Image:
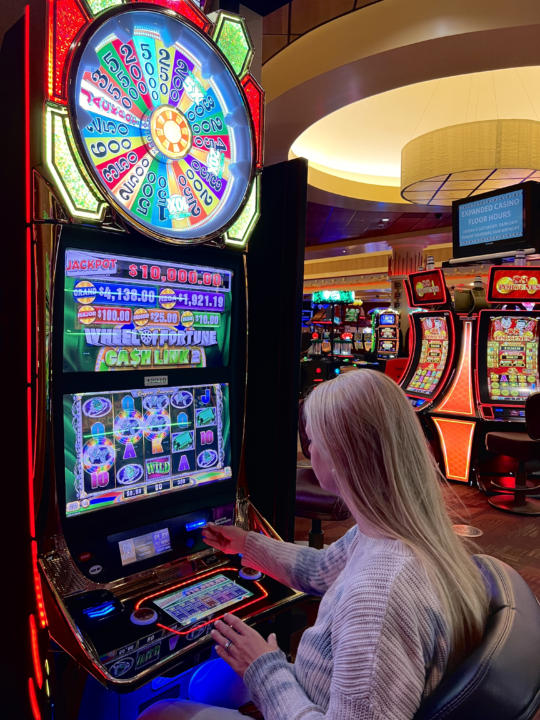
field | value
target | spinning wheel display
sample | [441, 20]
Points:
[162, 124]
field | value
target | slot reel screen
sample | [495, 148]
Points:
[133, 445]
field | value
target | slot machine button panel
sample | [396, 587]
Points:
[144, 616]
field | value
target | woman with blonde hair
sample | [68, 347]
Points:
[402, 600]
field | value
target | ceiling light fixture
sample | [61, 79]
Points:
[467, 159]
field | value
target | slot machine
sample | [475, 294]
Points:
[144, 152]
[386, 334]
[497, 370]
[366, 342]
[433, 339]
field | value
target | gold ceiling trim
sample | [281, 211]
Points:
[467, 159]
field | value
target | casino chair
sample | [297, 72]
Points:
[500, 679]
[525, 448]
[311, 500]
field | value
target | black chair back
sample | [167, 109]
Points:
[304, 440]
[500, 680]
[532, 415]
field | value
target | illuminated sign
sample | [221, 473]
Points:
[428, 288]
[514, 284]
[344, 296]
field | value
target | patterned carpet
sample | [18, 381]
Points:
[515, 539]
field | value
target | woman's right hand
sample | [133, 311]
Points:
[227, 538]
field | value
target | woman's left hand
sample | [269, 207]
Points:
[238, 644]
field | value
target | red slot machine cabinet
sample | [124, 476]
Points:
[497, 370]
[433, 339]
[507, 353]
[142, 175]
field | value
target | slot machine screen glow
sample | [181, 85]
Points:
[433, 355]
[131, 445]
[131, 313]
[512, 357]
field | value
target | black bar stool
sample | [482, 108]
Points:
[524, 447]
[311, 500]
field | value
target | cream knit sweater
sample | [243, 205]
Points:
[378, 646]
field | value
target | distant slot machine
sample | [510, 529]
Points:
[144, 154]
[496, 372]
[507, 345]
[386, 334]
[433, 343]
[497, 365]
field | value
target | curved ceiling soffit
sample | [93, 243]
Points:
[289, 114]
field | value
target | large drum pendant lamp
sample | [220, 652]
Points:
[467, 159]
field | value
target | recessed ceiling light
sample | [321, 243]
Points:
[385, 219]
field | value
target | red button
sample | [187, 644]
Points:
[85, 557]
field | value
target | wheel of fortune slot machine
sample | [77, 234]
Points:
[143, 136]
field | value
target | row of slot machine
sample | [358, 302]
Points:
[472, 370]
[343, 331]
[340, 338]
[143, 136]
[337, 336]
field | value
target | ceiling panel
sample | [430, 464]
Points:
[327, 224]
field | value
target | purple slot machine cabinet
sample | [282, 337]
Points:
[144, 151]
[433, 339]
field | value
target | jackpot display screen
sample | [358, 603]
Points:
[387, 319]
[130, 445]
[433, 356]
[129, 313]
[512, 357]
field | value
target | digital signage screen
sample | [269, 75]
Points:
[433, 356]
[512, 357]
[491, 219]
[132, 313]
[503, 221]
[132, 445]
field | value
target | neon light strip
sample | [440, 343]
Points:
[37, 587]
[264, 595]
[439, 422]
[50, 42]
[35, 651]
[33, 700]
[463, 375]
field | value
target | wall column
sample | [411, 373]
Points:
[407, 257]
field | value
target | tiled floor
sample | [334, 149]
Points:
[512, 538]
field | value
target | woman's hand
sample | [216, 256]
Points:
[227, 538]
[238, 644]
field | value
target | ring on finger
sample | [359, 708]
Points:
[228, 645]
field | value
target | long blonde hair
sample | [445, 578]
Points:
[384, 471]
